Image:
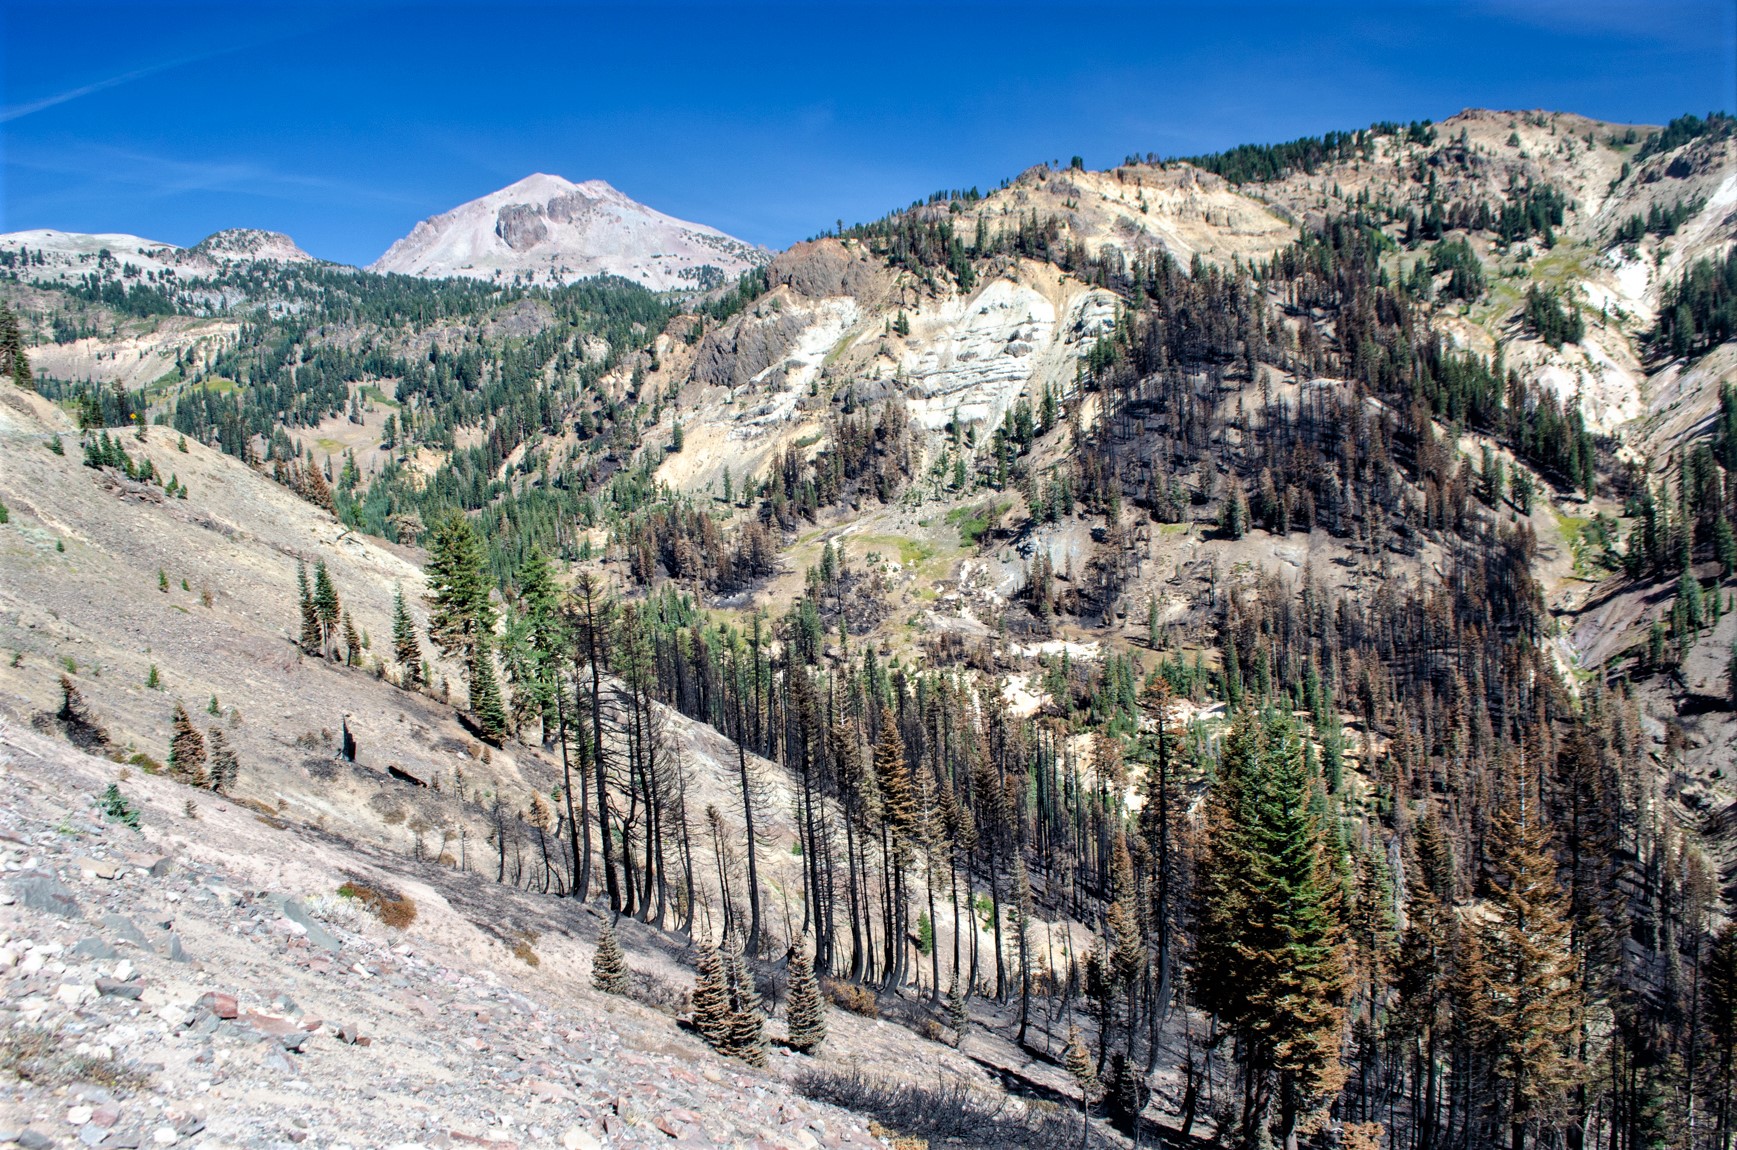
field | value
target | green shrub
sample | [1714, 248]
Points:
[116, 809]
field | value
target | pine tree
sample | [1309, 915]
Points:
[326, 605]
[711, 997]
[485, 694]
[1078, 1060]
[1721, 1019]
[609, 967]
[746, 1039]
[1233, 512]
[225, 767]
[186, 750]
[13, 361]
[1269, 954]
[958, 1013]
[539, 642]
[1531, 992]
[75, 718]
[406, 648]
[898, 801]
[315, 489]
[458, 589]
[310, 639]
[1731, 675]
[352, 642]
[805, 1014]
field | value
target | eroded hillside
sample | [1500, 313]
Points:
[973, 599]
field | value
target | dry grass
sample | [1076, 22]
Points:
[522, 949]
[396, 911]
[40, 1057]
[856, 999]
[949, 1112]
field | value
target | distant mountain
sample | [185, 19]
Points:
[551, 231]
[72, 255]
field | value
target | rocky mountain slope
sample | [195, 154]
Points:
[161, 987]
[472, 1006]
[547, 230]
[1423, 435]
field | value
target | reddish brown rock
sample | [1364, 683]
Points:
[218, 1003]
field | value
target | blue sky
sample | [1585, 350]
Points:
[344, 125]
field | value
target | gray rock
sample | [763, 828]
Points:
[123, 930]
[176, 952]
[34, 1140]
[91, 1134]
[93, 948]
[46, 893]
[297, 913]
[117, 989]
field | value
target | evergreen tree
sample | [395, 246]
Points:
[485, 693]
[13, 361]
[310, 637]
[893, 774]
[1721, 1021]
[225, 767]
[1731, 675]
[1233, 513]
[958, 1012]
[326, 605]
[458, 589]
[76, 720]
[609, 967]
[406, 648]
[352, 642]
[746, 1039]
[538, 639]
[186, 750]
[711, 996]
[1531, 992]
[805, 1014]
[1078, 1060]
[1269, 954]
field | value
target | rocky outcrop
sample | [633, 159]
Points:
[822, 268]
[736, 353]
[521, 226]
[240, 244]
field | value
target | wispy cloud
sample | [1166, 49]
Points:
[154, 176]
[31, 107]
[260, 38]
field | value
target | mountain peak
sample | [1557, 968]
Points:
[548, 229]
[250, 244]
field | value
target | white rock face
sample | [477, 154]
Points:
[827, 323]
[553, 231]
[974, 356]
